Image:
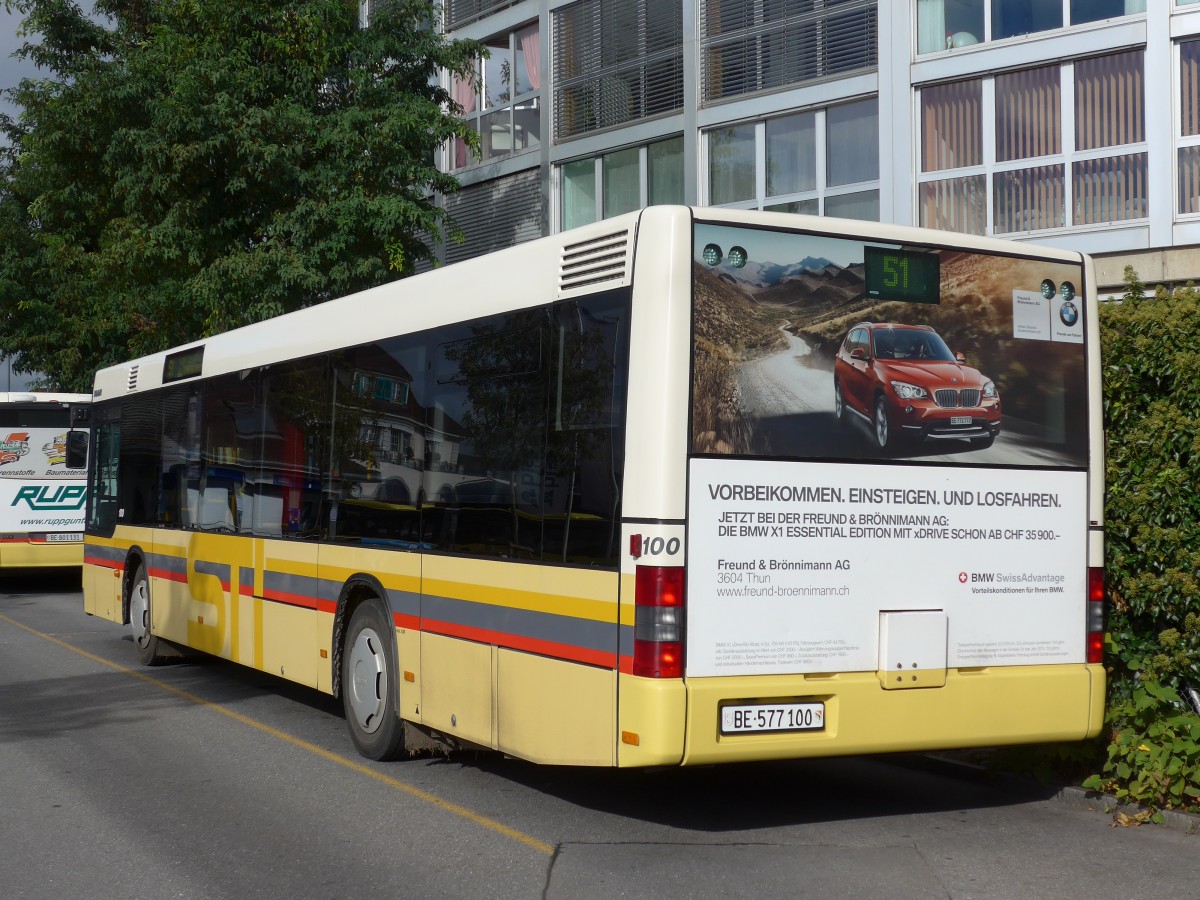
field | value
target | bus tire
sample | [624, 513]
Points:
[149, 649]
[370, 684]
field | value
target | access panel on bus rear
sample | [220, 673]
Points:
[889, 467]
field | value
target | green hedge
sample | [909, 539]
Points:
[1151, 362]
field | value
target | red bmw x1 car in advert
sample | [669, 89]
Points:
[909, 386]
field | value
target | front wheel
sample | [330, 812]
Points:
[151, 650]
[883, 431]
[839, 403]
[369, 683]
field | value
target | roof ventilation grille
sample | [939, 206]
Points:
[133, 377]
[594, 261]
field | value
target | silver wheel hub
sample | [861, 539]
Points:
[367, 684]
[139, 614]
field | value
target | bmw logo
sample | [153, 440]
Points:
[1069, 313]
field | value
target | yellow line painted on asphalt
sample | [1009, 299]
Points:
[416, 792]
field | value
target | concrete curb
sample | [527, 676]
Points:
[1075, 797]
[1093, 801]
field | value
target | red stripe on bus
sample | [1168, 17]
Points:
[168, 575]
[516, 642]
[104, 563]
[301, 600]
[413, 623]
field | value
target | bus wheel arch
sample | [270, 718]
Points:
[366, 671]
[151, 650]
[357, 590]
[134, 559]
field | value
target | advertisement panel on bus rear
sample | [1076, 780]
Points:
[38, 505]
[791, 566]
[815, 347]
[35, 453]
[881, 430]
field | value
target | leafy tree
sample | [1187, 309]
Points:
[1150, 348]
[189, 166]
[1151, 354]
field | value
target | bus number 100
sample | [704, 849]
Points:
[644, 545]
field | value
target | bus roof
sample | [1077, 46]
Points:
[573, 263]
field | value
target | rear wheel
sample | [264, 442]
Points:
[150, 649]
[369, 683]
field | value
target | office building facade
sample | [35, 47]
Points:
[1072, 123]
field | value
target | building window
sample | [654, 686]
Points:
[503, 103]
[1189, 128]
[749, 46]
[380, 387]
[615, 61]
[817, 162]
[1053, 165]
[731, 168]
[621, 181]
[950, 24]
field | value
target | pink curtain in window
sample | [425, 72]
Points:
[1110, 100]
[531, 52]
[1189, 86]
[1028, 114]
[952, 125]
[465, 97]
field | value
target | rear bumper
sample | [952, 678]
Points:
[976, 708]
[24, 554]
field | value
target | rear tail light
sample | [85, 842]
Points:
[658, 622]
[1095, 616]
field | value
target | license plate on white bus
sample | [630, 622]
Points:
[57, 537]
[960, 420]
[760, 717]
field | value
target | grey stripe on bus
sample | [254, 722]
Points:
[404, 603]
[223, 571]
[108, 554]
[587, 634]
[627, 640]
[301, 585]
[164, 563]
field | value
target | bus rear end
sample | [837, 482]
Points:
[41, 496]
[892, 530]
